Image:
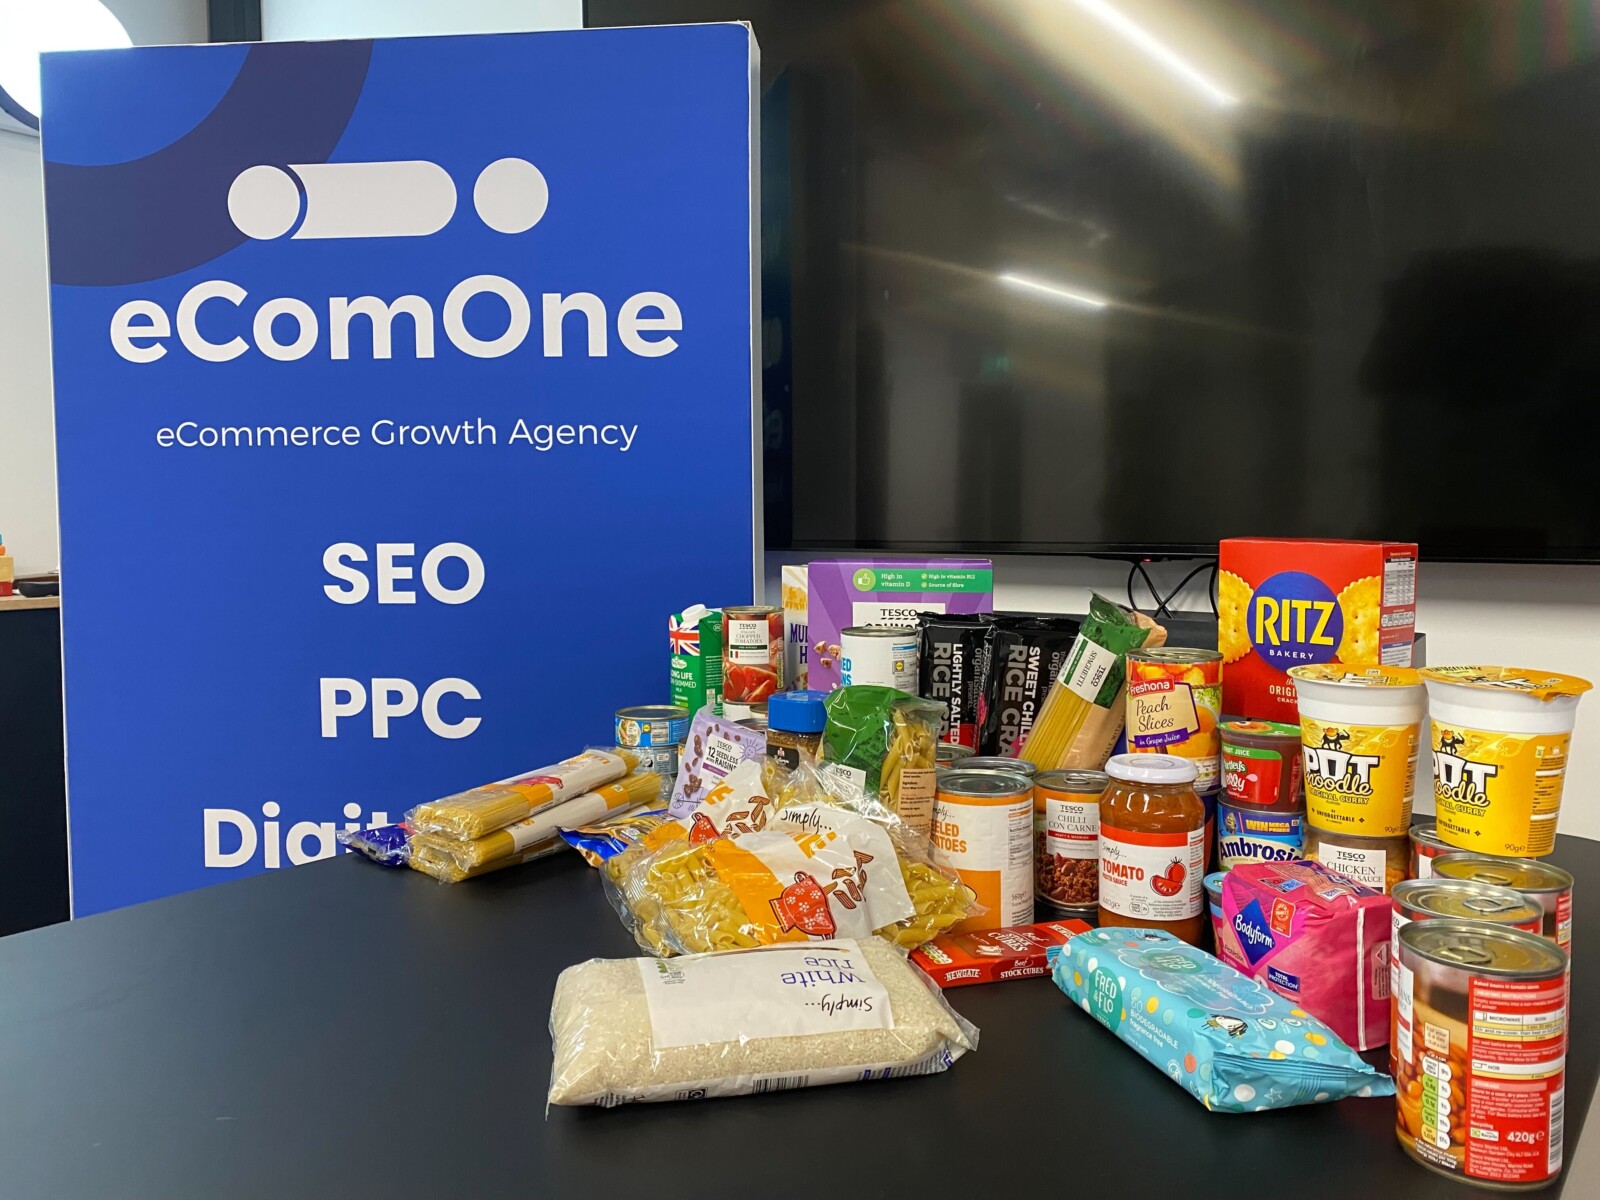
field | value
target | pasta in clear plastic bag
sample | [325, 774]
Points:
[634, 1030]
[745, 870]
[876, 735]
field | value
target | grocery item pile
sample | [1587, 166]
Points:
[974, 788]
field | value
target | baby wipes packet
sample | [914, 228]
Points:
[1226, 1039]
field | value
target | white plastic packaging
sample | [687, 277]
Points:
[636, 1030]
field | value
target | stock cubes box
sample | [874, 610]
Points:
[386, 350]
[1289, 602]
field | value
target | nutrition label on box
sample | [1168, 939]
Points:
[1399, 582]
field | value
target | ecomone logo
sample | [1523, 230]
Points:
[218, 320]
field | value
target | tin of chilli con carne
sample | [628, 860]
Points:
[1481, 1031]
[1066, 838]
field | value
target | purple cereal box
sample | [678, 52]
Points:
[885, 591]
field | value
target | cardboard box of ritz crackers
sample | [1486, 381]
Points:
[1289, 602]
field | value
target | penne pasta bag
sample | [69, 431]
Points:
[884, 743]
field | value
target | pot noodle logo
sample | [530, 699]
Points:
[1332, 768]
[1456, 777]
[400, 199]
[1294, 619]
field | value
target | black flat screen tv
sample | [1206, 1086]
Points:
[1114, 276]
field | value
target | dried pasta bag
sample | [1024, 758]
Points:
[482, 810]
[875, 735]
[632, 1030]
[431, 859]
[1102, 727]
[1223, 1037]
[626, 794]
[389, 845]
[1089, 682]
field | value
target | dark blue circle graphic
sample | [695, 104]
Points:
[1294, 619]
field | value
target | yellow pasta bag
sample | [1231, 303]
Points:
[482, 810]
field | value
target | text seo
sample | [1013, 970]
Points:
[392, 574]
[394, 699]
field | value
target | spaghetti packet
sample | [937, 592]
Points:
[481, 810]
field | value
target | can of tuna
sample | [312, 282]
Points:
[1450, 899]
[1426, 845]
[983, 831]
[879, 654]
[652, 725]
[950, 753]
[1547, 886]
[1247, 835]
[1481, 1014]
[653, 732]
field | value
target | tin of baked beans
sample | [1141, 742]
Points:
[1451, 899]
[884, 655]
[983, 831]
[1547, 886]
[1174, 707]
[1261, 766]
[951, 753]
[1066, 838]
[1480, 1013]
[994, 762]
[1427, 845]
[1378, 863]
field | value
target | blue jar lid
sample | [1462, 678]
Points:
[797, 712]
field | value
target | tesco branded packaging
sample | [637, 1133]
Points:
[846, 592]
[1315, 937]
[1292, 602]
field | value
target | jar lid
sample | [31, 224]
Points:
[1160, 769]
[797, 712]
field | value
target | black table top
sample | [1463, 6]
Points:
[344, 1030]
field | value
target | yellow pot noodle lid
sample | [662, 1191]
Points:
[1540, 685]
[1354, 676]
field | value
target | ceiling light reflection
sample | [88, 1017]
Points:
[1070, 295]
[1159, 51]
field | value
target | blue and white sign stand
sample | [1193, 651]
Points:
[403, 389]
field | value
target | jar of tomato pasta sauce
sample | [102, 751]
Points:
[1153, 846]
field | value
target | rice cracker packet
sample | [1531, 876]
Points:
[1290, 602]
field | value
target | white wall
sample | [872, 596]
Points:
[1546, 618]
[27, 424]
[295, 20]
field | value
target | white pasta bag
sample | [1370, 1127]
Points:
[631, 1030]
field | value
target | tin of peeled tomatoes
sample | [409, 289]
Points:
[983, 831]
[1480, 1015]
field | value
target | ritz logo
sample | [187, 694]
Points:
[402, 199]
[1294, 619]
[1331, 767]
[1456, 777]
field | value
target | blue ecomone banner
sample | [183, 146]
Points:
[403, 389]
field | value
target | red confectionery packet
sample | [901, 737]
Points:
[991, 955]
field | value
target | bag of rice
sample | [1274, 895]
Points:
[631, 1030]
